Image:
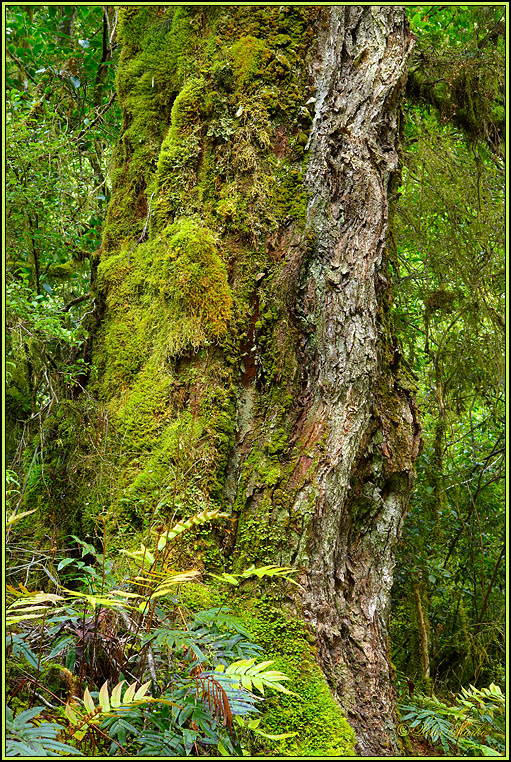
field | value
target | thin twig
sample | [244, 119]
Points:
[144, 230]
[103, 111]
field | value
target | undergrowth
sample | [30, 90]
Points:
[111, 660]
[473, 725]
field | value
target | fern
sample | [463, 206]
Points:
[105, 636]
[144, 555]
[216, 696]
[435, 727]
[34, 605]
[241, 702]
[222, 618]
[262, 571]
[253, 726]
[17, 516]
[252, 675]
[20, 648]
[107, 703]
[213, 637]
[465, 725]
[200, 518]
[30, 606]
[27, 738]
[481, 703]
[167, 582]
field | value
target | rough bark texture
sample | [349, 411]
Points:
[355, 433]
[364, 481]
[244, 355]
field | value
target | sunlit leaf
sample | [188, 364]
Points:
[103, 698]
[88, 701]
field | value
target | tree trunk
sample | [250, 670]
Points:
[352, 391]
[245, 305]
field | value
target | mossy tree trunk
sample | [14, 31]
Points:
[244, 352]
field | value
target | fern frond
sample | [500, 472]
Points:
[181, 526]
[101, 601]
[253, 676]
[253, 725]
[272, 570]
[144, 555]
[27, 607]
[218, 702]
[262, 571]
[26, 739]
[171, 580]
[17, 516]
[107, 703]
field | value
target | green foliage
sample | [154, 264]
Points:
[27, 735]
[59, 122]
[449, 288]
[116, 702]
[202, 670]
[263, 571]
[252, 675]
[28, 605]
[472, 726]
[458, 67]
[207, 198]
[41, 335]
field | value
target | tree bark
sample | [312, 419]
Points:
[351, 391]
[319, 427]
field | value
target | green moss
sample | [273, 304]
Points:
[193, 279]
[62, 271]
[290, 196]
[168, 296]
[153, 64]
[188, 108]
[208, 167]
[197, 597]
[320, 727]
[143, 411]
[247, 55]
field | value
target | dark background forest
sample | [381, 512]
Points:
[447, 620]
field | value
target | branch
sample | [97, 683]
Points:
[490, 587]
[19, 63]
[76, 300]
[99, 116]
